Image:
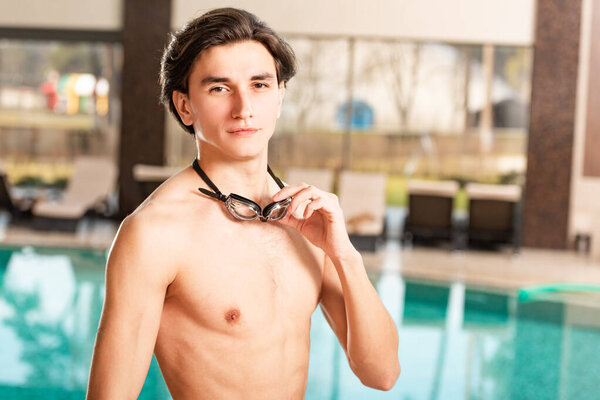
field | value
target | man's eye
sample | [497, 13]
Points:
[218, 89]
[260, 85]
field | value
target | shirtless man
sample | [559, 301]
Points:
[225, 303]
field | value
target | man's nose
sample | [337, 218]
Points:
[242, 107]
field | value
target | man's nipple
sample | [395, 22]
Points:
[232, 316]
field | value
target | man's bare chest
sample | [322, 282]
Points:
[249, 280]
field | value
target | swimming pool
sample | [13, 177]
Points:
[456, 342]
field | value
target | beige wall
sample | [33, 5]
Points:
[585, 191]
[492, 21]
[62, 14]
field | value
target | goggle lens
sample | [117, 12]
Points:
[241, 210]
[277, 211]
[277, 214]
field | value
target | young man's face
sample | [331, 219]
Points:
[233, 99]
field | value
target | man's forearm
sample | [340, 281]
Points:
[372, 336]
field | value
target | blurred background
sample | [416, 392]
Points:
[461, 136]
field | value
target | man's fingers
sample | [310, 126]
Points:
[290, 220]
[306, 199]
[312, 207]
[303, 197]
[290, 191]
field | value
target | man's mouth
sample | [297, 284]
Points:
[243, 131]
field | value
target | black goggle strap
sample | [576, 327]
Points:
[277, 180]
[217, 193]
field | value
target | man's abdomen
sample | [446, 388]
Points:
[268, 362]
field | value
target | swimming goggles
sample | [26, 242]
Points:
[242, 208]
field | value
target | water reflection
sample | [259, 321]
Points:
[489, 335]
[538, 344]
[37, 294]
[423, 338]
[50, 304]
[465, 343]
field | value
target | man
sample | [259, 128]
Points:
[225, 300]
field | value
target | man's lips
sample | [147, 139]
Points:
[243, 131]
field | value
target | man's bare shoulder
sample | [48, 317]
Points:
[173, 203]
[139, 248]
[161, 225]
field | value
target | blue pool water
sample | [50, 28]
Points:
[456, 342]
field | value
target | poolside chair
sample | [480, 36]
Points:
[6, 201]
[363, 199]
[151, 177]
[493, 214]
[586, 231]
[429, 216]
[19, 209]
[91, 184]
[320, 178]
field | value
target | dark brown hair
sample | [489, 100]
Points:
[215, 28]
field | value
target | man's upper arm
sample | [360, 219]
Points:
[137, 277]
[332, 302]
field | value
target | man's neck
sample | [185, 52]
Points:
[248, 178]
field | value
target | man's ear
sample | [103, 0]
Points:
[182, 104]
[281, 96]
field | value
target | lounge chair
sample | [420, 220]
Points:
[19, 209]
[151, 177]
[363, 199]
[493, 214]
[586, 230]
[320, 178]
[6, 201]
[430, 205]
[91, 184]
[595, 238]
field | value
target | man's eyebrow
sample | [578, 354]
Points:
[213, 79]
[262, 76]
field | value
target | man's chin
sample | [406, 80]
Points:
[243, 150]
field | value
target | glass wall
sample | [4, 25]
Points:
[312, 123]
[58, 100]
[417, 109]
[410, 109]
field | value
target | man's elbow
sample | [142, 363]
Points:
[380, 378]
[387, 380]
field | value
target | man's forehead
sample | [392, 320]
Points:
[247, 57]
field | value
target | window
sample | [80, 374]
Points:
[58, 100]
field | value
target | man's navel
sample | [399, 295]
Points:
[232, 316]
